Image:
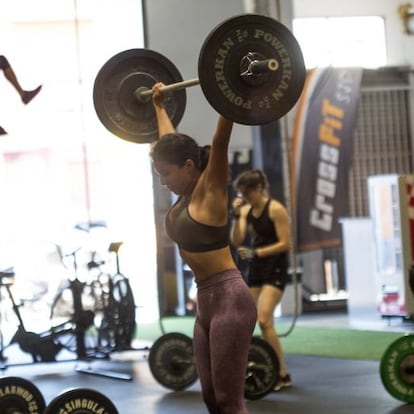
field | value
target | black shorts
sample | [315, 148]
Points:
[4, 63]
[268, 271]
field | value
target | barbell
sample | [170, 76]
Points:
[20, 396]
[250, 69]
[253, 67]
[172, 364]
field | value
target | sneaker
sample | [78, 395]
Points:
[2, 131]
[29, 95]
[284, 382]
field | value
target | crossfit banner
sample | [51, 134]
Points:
[322, 150]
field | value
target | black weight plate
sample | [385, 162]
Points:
[267, 97]
[81, 401]
[262, 369]
[18, 395]
[397, 369]
[171, 361]
[116, 104]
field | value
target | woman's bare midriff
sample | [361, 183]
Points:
[205, 264]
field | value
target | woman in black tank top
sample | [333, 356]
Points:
[198, 223]
[265, 221]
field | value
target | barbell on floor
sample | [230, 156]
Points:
[250, 69]
[20, 396]
[171, 362]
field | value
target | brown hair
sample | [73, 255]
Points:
[251, 179]
[176, 148]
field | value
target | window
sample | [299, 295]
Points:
[58, 164]
[342, 41]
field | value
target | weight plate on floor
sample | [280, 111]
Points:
[397, 369]
[171, 361]
[81, 401]
[262, 369]
[114, 94]
[18, 395]
[267, 97]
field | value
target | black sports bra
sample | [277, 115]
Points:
[193, 236]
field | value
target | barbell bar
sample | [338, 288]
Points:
[255, 67]
[250, 69]
[143, 93]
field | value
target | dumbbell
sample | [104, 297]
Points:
[20, 396]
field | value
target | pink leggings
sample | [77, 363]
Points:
[226, 316]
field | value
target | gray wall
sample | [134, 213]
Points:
[177, 29]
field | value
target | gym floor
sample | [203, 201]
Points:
[321, 385]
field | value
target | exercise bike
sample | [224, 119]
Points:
[45, 346]
[115, 331]
[118, 324]
[109, 296]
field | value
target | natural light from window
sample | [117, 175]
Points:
[342, 41]
[58, 164]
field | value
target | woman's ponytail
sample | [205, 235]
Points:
[204, 154]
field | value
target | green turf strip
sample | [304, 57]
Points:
[338, 343]
[305, 340]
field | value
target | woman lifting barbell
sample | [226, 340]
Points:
[197, 222]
